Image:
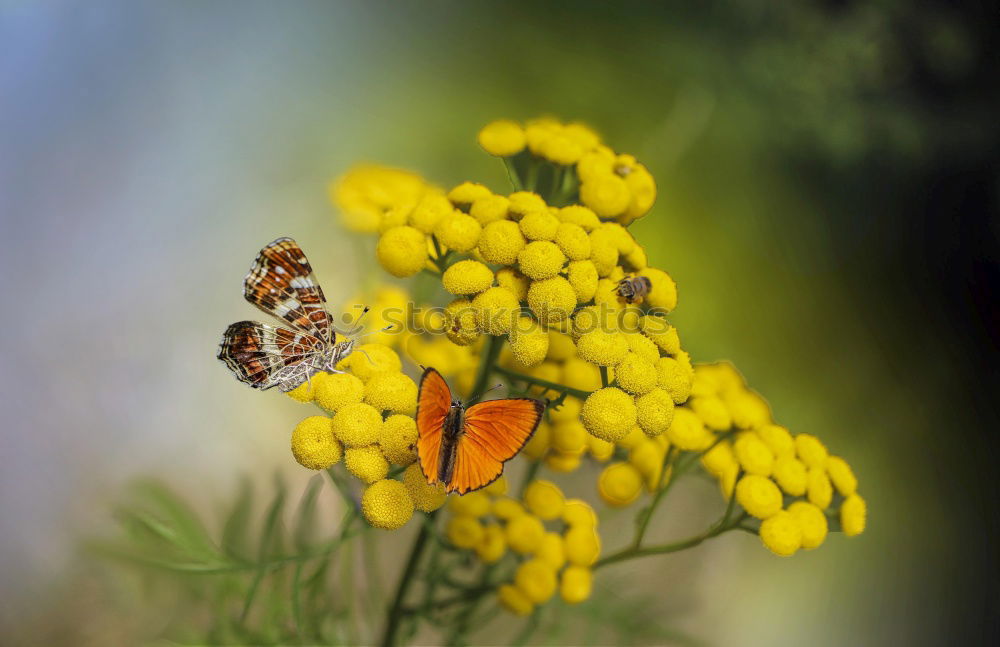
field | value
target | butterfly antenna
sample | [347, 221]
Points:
[357, 323]
[492, 388]
[370, 333]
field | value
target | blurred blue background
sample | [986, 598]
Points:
[827, 204]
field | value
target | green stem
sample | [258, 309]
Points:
[647, 515]
[529, 476]
[642, 551]
[551, 386]
[487, 367]
[512, 176]
[396, 610]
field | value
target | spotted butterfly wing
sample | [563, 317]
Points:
[266, 356]
[281, 283]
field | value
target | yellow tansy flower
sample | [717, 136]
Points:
[853, 512]
[501, 242]
[492, 547]
[811, 451]
[661, 333]
[577, 512]
[313, 444]
[386, 504]
[619, 484]
[514, 600]
[357, 424]
[759, 496]
[573, 240]
[609, 413]
[467, 277]
[464, 531]
[392, 391]
[812, 521]
[466, 193]
[540, 225]
[841, 475]
[426, 498]
[778, 439]
[581, 216]
[819, 490]
[791, 474]
[507, 508]
[536, 579]
[524, 533]
[524, 202]
[489, 209]
[583, 546]
[552, 300]
[721, 458]
[529, 342]
[753, 454]
[366, 463]
[578, 374]
[369, 359]
[562, 462]
[540, 259]
[398, 439]
[688, 432]
[606, 194]
[561, 346]
[402, 251]
[569, 436]
[655, 412]
[781, 533]
[458, 231]
[544, 499]
[511, 279]
[663, 289]
[502, 138]
[713, 412]
[431, 209]
[473, 504]
[334, 390]
[576, 584]
[551, 550]
[496, 310]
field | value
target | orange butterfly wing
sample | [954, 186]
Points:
[494, 432]
[432, 407]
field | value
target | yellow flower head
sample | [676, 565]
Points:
[569, 436]
[812, 521]
[426, 498]
[501, 242]
[655, 412]
[562, 462]
[606, 194]
[583, 546]
[538, 445]
[578, 374]
[819, 490]
[366, 463]
[529, 342]
[514, 600]
[791, 474]
[357, 424]
[524, 202]
[544, 499]
[551, 550]
[511, 279]
[580, 216]
[464, 531]
[507, 508]
[391, 391]
[334, 390]
[754, 455]
[602, 347]
[386, 504]
[540, 259]
[778, 439]
[458, 231]
[473, 504]
[461, 326]
[663, 292]
[502, 138]
[498, 487]
[609, 414]
[748, 409]
[577, 512]
[643, 189]
[759, 496]
[466, 193]
[853, 512]
[539, 225]
[841, 475]
[467, 277]
[603, 251]
[811, 451]
[496, 310]
[552, 300]
[489, 209]
[619, 484]
[431, 209]
[369, 359]
[493, 545]
[306, 391]
[398, 439]
[402, 251]
[712, 411]
[643, 347]
[576, 584]
[661, 333]
[637, 375]
[313, 444]
[524, 533]
[781, 533]
[366, 190]
[720, 459]
[647, 457]
[536, 579]
[688, 432]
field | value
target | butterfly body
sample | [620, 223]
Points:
[465, 448]
[281, 283]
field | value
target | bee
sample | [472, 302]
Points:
[633, 289]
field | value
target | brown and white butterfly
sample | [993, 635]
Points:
[281, 283]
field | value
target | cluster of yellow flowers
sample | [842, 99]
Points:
[370, 425]
[615, 186]
[490, 522]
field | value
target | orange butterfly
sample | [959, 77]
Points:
[466, 449]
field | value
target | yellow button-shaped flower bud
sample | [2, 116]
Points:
[391, 391]
[573, 240]
[688, 432]
[386, 504]
[603, 251]
[581, 216]
[583, 546]
[524, 202]
[619, 484]
[759, 496]
[426, 497]
[562, 462]
[489, 209]
[511, 279]
[472, 504]
[602, 347]
[791, 474]
[600, 450]
[544, 499]
[496, 310]
[552, 300]
[748, 409]
[466, 193]
[512, 599]
[334, 390]
[357, 424]
[507, 508]
[569, 436]
[582, 275]
[841, 475]
[524, 533]
[853, 513]
[647, 457]
[778, 439]
[644, 347]
[781, 533]
[575, 584]
[460, 322]
[313, 444]
[712, 411]
[464, 531]
[663, 290]
[458, 231]
[502, 138]
[431, 209]
[655, 412]
[578, 512]
[492, 547]
[501, 242]
[402, 251]
[538, 445]
[398, 439]
[674, 378]
[561, 346]
[637, 375]
[812, 521]
[366, 463]
[552, 551]
[661, 333]
[754, 455]
[306, 391]
[606, 194]
[536, 579]
[539, 225]
[623, 240]
[540, 259]
[579, 374]
[467, 277]
[498, 487]
[819, 490]
[811, 451]
[642, 187]
[609, 414]
[369, 359]
[720, 459]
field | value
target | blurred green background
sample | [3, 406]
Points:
[828, 200]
